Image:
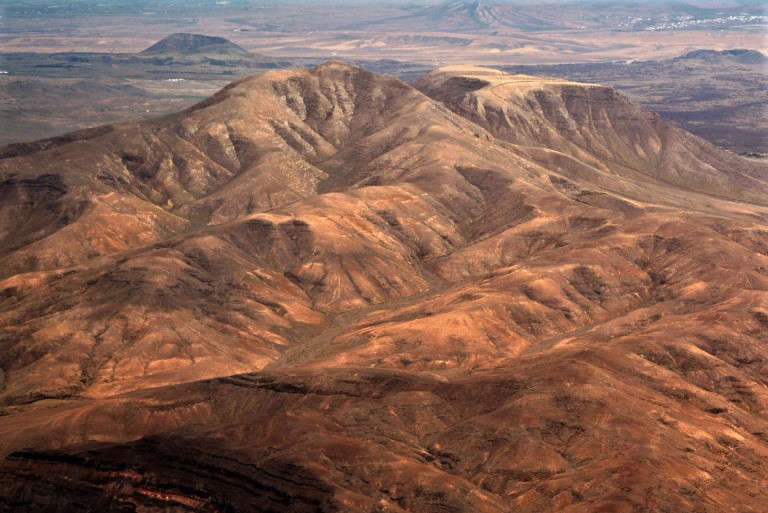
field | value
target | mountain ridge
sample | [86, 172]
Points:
[740, 55]
[341, 292]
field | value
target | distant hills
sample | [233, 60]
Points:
[191, 44]
[34, 83]
[740, 55]
[186, 48]
[484, 16]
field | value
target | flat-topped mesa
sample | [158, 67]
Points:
[443, 78]
[189, 44]
[594, 124]
[740, 55]
[534, 111]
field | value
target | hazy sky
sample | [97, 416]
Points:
[63, 3]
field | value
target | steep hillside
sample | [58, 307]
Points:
[326, 290]
[597, 126]
[720, 96]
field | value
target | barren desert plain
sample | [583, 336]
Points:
[405, 257]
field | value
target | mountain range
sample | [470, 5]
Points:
[328, 290]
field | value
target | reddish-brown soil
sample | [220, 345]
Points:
[326, 290]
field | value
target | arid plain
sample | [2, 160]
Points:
[485, 32]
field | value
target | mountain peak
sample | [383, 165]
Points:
[336, 66]
[186, 44]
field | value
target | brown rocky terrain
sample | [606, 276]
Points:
[327, 290]
[720, 96]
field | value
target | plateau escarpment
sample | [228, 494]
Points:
[595, 125]
[328, 290]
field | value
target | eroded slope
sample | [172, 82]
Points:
[336, 293]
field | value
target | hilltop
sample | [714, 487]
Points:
[190, 44]
[739, 55]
